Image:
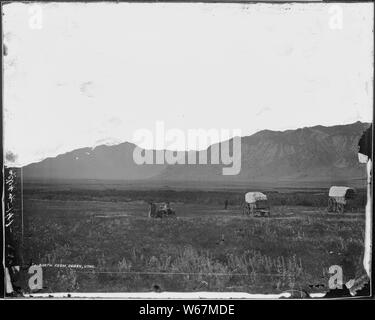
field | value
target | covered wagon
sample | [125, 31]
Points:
[338, 198]
[256, 204]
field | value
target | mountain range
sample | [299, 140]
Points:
[316, 153]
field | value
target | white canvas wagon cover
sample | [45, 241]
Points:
[335, 191]
[252, 197]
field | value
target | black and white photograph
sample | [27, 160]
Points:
[187, 150]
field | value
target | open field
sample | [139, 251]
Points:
[206, 248]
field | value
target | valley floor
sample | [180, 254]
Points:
[205, 248]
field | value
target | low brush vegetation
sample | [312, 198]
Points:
[206, 248]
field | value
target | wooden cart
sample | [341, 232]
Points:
[161, 210]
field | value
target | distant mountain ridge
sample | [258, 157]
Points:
[312, 153]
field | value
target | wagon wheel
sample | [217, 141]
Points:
[335, 206]
[245, 209]
[171, 213]
[252, 211]
[340, 208]
[331, 204]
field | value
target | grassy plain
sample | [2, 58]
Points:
[206, 248]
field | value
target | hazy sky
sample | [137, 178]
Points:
[78, 75]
